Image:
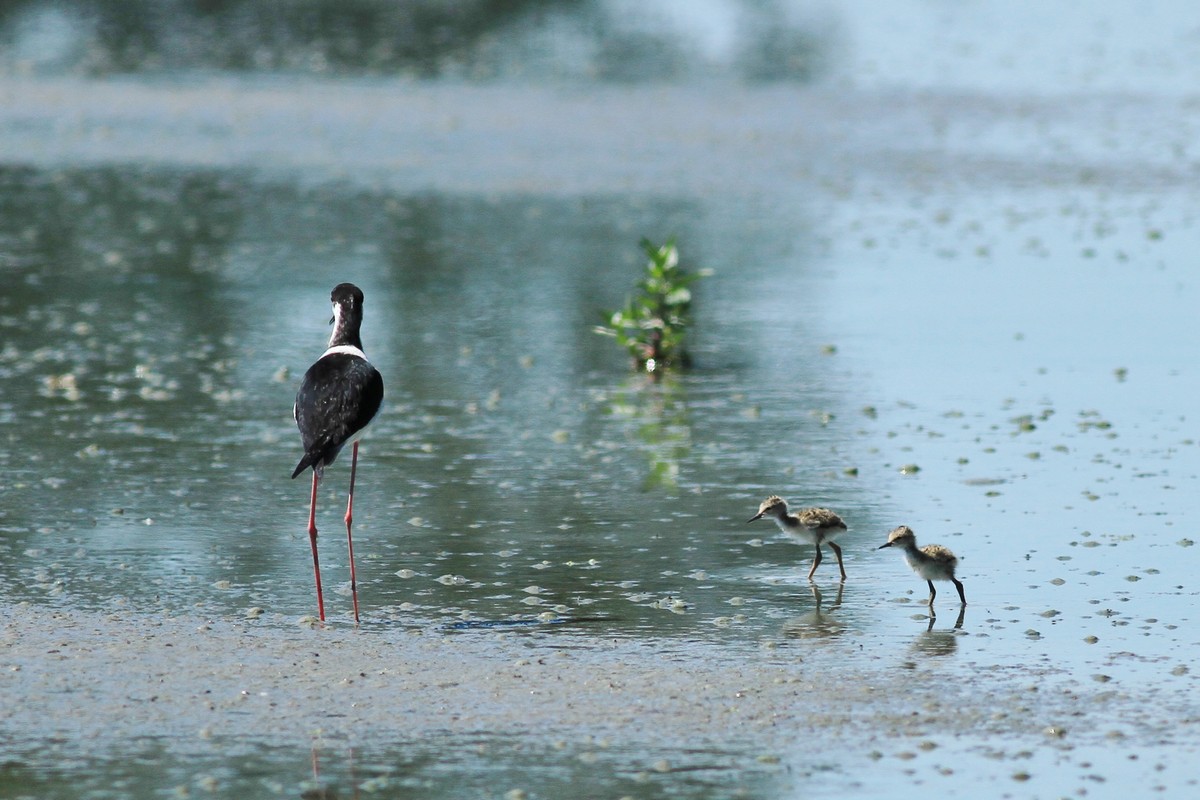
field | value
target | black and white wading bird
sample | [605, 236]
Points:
[339, 396]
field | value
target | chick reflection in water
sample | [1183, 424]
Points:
[942, 642]
[816, 624]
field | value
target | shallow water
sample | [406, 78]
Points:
[960, 301]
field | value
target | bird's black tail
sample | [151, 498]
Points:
[306, 462]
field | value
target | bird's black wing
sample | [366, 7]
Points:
[339, 396]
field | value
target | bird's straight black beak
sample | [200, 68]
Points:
[331, 319]
[756, 516]
[889, 544]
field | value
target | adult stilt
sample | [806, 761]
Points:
[339, 396]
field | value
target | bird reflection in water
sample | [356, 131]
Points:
[943, 642]
[817, 624]
[326, 788]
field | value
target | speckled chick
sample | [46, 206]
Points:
[932, 562]
[815, 526]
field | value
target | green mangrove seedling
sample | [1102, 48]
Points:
[652, 325]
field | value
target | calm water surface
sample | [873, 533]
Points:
[967, 309]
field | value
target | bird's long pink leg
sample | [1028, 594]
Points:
[312, 537]
[349, 522]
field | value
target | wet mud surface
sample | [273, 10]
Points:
[761, 719]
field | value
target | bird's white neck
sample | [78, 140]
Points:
[786, 521]
[345, 349]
